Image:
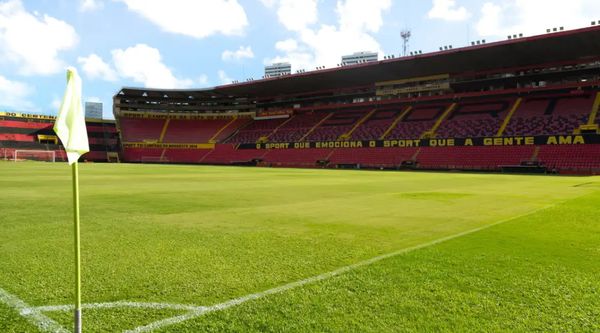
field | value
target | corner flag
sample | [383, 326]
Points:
[70, 128]
[70, 123]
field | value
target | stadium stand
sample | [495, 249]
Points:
[479, 118]
[256, 130]
[473, 158]
[27, 132]
[289, 157]
[297, 127]
[141, 130]
[583, 159]
[372, 158]
[335, 125]
[228, 154]
[382, 120]
[510, 105]
[551, 114]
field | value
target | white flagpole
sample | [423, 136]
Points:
[71, 129]
[77, 318]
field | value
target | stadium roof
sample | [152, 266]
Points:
[574, 45]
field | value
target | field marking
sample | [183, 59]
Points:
[119, 304]
[45, 324]
[32, 315]
[292, 285]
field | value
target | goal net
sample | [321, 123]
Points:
[35, 155]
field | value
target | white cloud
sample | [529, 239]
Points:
[90, 5]
[143, 64]
[357, 20]
[269, 3]
[94, 67]
[296, 15]
[202, 80]
[288, 45]
[93, 99]
[224, 78]
[33, 41]
[501, 18]
[362, 15]
[447, 10]
[198, 19]
[55, 105]
[239, 54]
[140, 63]
[14, 94]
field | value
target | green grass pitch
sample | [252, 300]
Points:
[519, 253]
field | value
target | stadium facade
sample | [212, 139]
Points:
[526, 104]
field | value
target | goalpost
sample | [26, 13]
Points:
[35, 155]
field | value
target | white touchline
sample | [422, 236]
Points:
[237, 301]
[34, 316]
[120, 304]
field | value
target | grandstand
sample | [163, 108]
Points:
[527, 104]
[33, 134]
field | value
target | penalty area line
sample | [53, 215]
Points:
[35, 317]
[293, 285]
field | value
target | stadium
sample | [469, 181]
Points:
[527, 104]
[468, 200]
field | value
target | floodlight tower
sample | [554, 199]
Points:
[405, 34]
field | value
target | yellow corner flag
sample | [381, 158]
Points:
[70, 123]
[70, 128]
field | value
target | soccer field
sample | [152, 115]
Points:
[222, 249]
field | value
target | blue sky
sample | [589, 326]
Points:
[202, 43]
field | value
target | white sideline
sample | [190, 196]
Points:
[120, 304]
[237, 301]
[34, 316]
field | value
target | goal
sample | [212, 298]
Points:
[35, 155]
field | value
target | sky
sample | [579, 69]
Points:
[204, 43]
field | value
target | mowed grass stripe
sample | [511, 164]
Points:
[314, 279]
[195, 235]
[535, 273]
